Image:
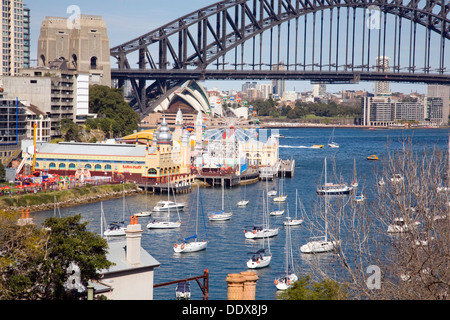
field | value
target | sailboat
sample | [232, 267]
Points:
[322, 244]
[115, 229]
[243, 203]
[294, 221]
[260, 258]
[191, 244]
[264, 231]
[167, 224]
[355, 181]
[146, 212]
[331, 142]
[220, 215]
[281, 197]
[288, 277]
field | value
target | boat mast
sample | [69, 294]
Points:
[123, 204]
[168, 195]
[196, 218]
[102, 217]
[326, 203]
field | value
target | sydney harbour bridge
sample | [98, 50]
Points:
[324, 41]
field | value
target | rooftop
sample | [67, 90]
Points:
[101, 149]
[117, 255]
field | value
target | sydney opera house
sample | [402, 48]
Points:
[192, 99]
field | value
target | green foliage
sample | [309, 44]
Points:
[109, 104]
[270, 108]
[70, 130]
[305, 289]
[2, 172]
[34, 261]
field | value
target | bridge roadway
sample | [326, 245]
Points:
[315, 75]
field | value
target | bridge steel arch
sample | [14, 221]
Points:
[191, 46]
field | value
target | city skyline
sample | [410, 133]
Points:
[128, 20]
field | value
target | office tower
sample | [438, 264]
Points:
[12, 40]
[319, 90]
[443, 92]
[382, 65]
[278, 85]
[265, 90]
[84, 44]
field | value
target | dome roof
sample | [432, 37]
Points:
[164, 135]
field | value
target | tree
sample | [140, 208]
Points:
[109, 102]
[2, 172]
[412, 264]
[306, 289]
[70, 130]
[36, 262]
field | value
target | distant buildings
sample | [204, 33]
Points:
[279, 85]
[319, 90]
[83, 43]
[384, 111]
[15, 39]
[382, 65]
[13, 128]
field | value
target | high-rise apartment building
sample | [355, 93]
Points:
[382, 65]
[83, 43]
[26, 38]
[12, 40]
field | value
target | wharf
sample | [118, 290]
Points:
[287, 168]
[183, 187]
[227, 179]
[283, 168]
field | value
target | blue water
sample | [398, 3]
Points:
[228, 248]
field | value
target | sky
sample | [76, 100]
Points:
[128, 19]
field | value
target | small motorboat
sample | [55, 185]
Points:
[372, 157]
[243, 203]
[317, 146]
[281, 198]
[400, 225]
[167, 205]
[333, 145]
[143, 214]
[276, 213]
[183, 291]
[359, 197]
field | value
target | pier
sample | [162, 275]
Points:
[175, 188]
[227, 179]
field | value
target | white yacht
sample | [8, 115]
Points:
[167, 205]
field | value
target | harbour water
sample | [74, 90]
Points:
[227, 249]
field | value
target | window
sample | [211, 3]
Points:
[52, 165]
[94, 63]
[108, 167]
[62, 166]
[72, 166]
[98, 167]
[152, 171]
[88, 166]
